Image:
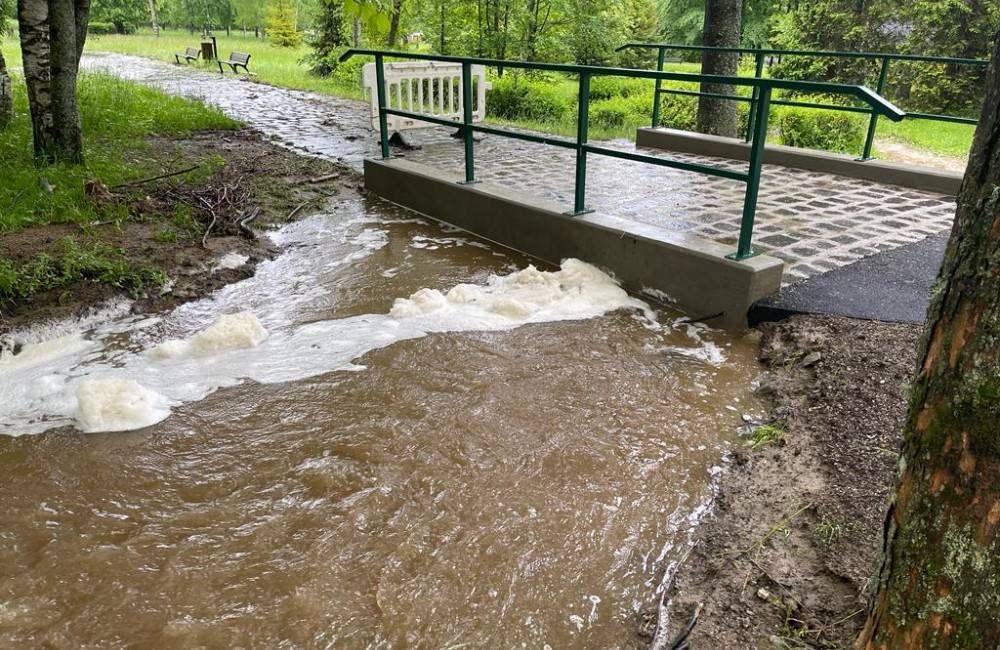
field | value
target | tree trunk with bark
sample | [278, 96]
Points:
[397, 10]
[33, 26]
[65, 51]
[53, 34]
[152, 18]
[939, 581]
[722, 29]
[6, 95]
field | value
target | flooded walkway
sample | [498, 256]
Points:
[432, 445]
[814, 222]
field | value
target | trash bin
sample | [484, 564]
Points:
[207, 50]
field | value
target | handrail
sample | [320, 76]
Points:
[817, 53]
[760, 53]
[761, 86]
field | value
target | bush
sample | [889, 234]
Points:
[620, 112]
[98, 28]
[678, 112]
[518, 98]
[821, 129]
[603, 87]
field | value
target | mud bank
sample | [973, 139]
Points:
[166, 229]
[785, 559]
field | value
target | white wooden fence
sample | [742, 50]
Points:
[425, 87]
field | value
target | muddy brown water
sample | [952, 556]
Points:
[521, 488]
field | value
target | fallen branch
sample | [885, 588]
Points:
[156, 178]
[297, 208]
[324, 178]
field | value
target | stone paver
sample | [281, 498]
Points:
[815, 222]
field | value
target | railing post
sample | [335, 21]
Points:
[383, 125]
[745, 248]
[758, 72]
[582, 124]
[883, 76]
[656, 93]
[470, 165]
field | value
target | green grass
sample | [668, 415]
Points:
[942, 138]
[71, 262]
[281, 66]
[117, 116]
[765, 436]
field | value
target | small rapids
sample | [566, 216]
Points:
[392, 435]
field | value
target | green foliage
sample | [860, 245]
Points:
[765, 436]
[329, 39]
[281, 28]
[827, 532]
[71, 262]
[619, 112]
[98, 28]
[678, 112]
[125, 16]
[821, 129]
[517, 97]
[117, 115]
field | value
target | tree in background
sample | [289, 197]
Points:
[249, 14]
[723, 19]
[281, 28]
[394, 17]
[329, 38]
[6, 94]
[124, 15]
[598, 28]
[52, 38]
[938, 583]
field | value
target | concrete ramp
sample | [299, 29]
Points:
[682, 270]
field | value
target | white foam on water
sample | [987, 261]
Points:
[117, 405]
[74, 384]
[229, 332]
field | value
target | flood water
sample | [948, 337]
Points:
[358, 481]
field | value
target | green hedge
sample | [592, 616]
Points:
[821, 129]
[97, 28]
[515, 97]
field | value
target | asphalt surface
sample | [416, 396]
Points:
[893, 286]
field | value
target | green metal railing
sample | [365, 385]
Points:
[762, 86]
[760, 55]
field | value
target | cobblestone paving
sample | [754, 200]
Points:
[815, 222]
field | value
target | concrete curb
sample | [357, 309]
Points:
[692, 273]
[891, 173]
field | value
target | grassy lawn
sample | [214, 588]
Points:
[942, 138]
[281, 66]
[117, 116]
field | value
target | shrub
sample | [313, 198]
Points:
[602, 87]
[516, 97]
[821, 129]
[678, 112]
[97, 28]
[620, 112]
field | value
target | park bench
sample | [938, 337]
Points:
[190, 54]
[236, 60]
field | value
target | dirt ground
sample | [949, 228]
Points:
[785, 559]
[239, 175]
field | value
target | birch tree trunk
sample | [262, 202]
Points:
[6, 96]
[722, 29]
[33, 25]
[53, 33]
[65, 50]
[939, 581]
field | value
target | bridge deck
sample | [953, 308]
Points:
[815, 222]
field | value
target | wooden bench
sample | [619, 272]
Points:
[190, 54]
[236, 60]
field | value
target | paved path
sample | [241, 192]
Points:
[815, 222]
